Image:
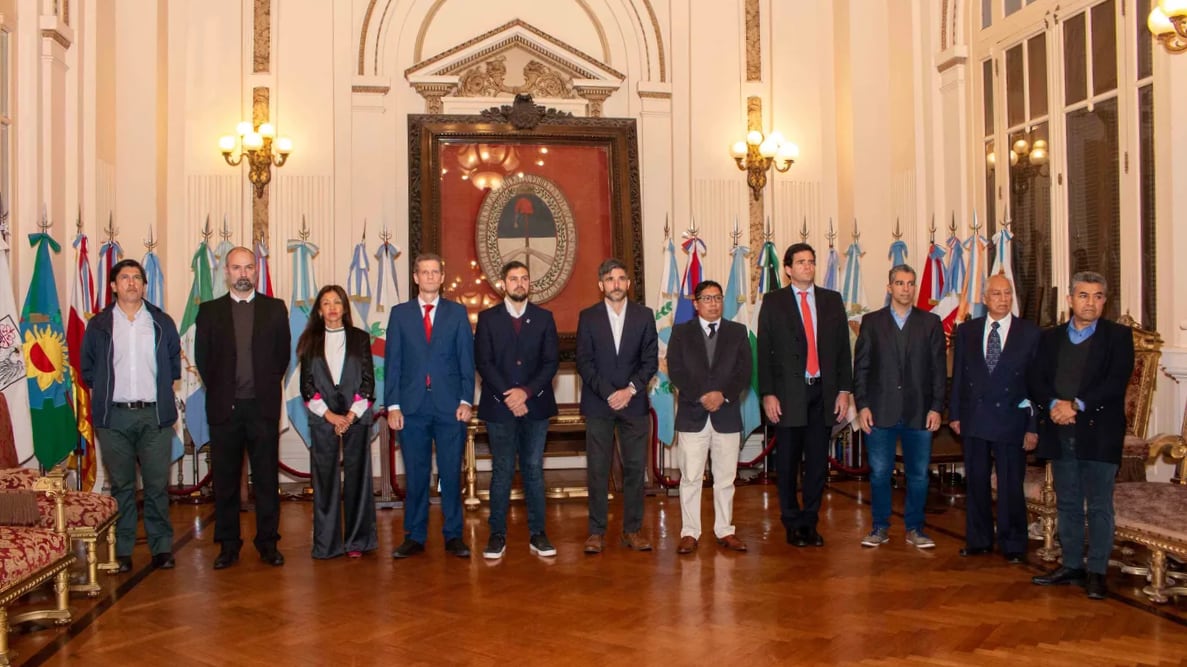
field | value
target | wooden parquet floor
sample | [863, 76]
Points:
[776, 604]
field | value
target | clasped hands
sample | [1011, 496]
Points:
[1063, 413]
[340, 422]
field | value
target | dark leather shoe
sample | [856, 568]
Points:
[409, 547]
[226, 558]
[272, 557]
[799, 537]
[594, 544]
[1096, 586]
[974, 551]
[163, 561]
[814, 538]
[688, 544]
[457, 546]
[125, 564]
[1015, 557]
[1060, 576]
[732, 543]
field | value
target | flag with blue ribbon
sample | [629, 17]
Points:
[301, 304]
[851, 289]
[897, 255]
[737, 309]
[193, 394]
[110, 253]
[931, 287]
[663, 401]
[695, 248]
[832, 269]
[263, 272]
[358, 279]
[386, 297]
[1003, 261]
[51, 393]
[217, 269]
[154, 288]
[978, 248]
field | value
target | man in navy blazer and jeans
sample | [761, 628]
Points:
[990, 410]
[429, 388]
[617, 354]
[515, 350]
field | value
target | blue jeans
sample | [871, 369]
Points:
[1077, 481]
[525, 438]
[916, 457]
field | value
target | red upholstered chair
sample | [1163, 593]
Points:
[90, 518]
[31, 556]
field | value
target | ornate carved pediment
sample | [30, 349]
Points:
[523, 114]
[514, 59]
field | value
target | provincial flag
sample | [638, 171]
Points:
[663, 401]
[82, 300]
[16, 431]
[51, 400]
[737, 309]
[192, 393]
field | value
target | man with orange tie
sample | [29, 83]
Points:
[805, 377]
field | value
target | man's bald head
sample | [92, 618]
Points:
[240, 266]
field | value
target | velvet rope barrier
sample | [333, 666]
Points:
[761, 455]
[391, 462]
[832, 461]
[656, 469]
[187, 490]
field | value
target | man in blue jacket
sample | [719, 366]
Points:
[515, 350]
[131, 355]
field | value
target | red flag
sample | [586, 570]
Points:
[82, 299]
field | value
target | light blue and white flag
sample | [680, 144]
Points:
[358, 280]
[897, 255]
[217, 270]
[1003, 262]
[851, 291]
[737, 299]
[154, 289]
[300, 305]
[663, 401]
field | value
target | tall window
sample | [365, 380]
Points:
[1073, 114]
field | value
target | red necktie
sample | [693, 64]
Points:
[428, 335]
[809, 331]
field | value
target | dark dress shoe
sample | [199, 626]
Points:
[125, 563]
[1015, 557]
[409, 547]
[974, 551]
[798, 537]
[1060, 576]
[272, 557]
[163, 561]
[814, 538]
[226, 558]
[688, 544]
[457, 546]
[1096, 586]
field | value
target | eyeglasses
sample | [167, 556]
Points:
[713, 298]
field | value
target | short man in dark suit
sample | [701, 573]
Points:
[899, 369]
[709, 364]
[990, 410]
[617, 355]
[241, 349]
[805, 377]
[516, 353]
[1078, 383]
[429, 388]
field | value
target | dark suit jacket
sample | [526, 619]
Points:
[1100, 428]
[894, 390]
[986, 404]
[448, 360]
[783, 352]
[506, 360]
[694, 376]
[604, 371]
[358, 376]
[215, 355]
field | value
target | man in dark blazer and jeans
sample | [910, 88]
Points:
[241, 348]
[899, 370]
[991, 412]
[617, 355]
[515, 351]
[805, 377]
[1078, 383]
[709, 364]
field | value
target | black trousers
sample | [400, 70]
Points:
[808, 443]
[599, 452]
[246, 430]
[330, 490]
[1010, 460]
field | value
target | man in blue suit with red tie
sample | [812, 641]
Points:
[429, 389]
[990, 410]
[515, 349]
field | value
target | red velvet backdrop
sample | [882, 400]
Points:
[582, 175]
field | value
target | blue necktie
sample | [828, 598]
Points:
[993, 349]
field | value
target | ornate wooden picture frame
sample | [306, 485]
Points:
[568, 186]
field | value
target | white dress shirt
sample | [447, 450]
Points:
[134, 358]
[335, 351]
[1003, 330]
[616, 322]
